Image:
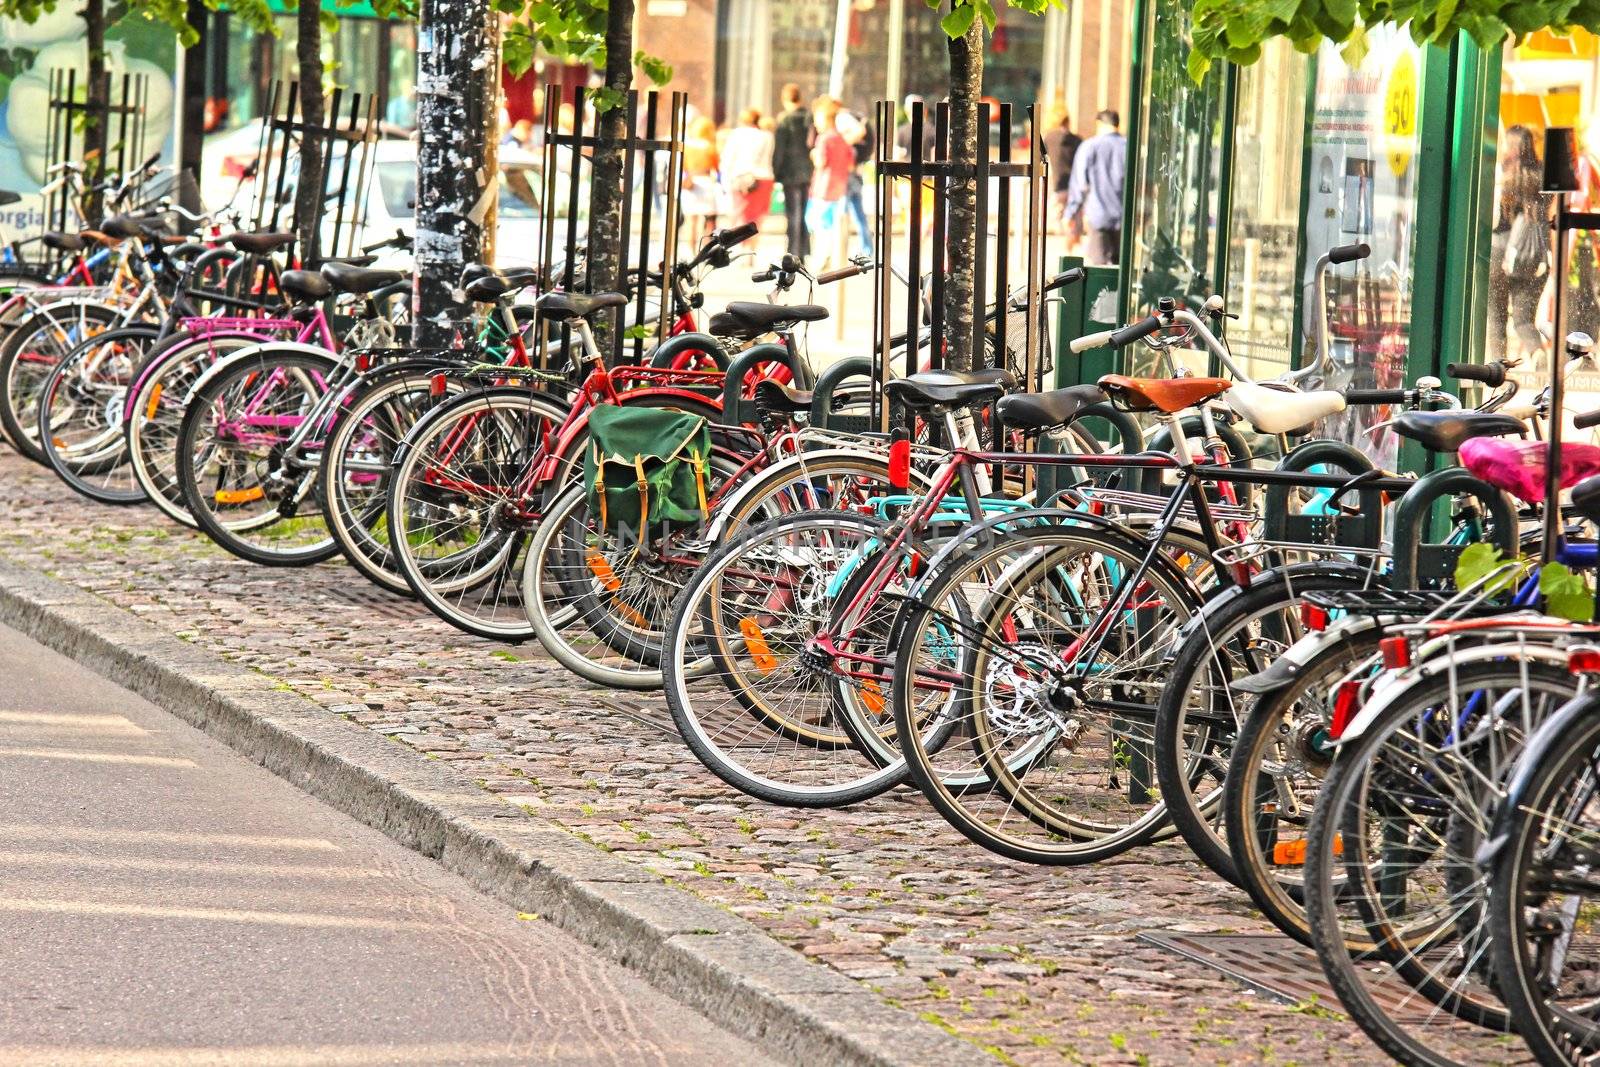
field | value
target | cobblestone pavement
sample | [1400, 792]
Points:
[1035, 965]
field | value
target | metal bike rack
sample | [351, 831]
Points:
[1419, 564]
[1361, 529]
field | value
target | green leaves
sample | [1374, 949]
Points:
[1478, 561]
[1235, 30]
[963, 13]
[657, 70]
[1566, 595]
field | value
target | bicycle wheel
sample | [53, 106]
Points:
[356, 468]
[28, 356]
[1237, 633]
[835, 478]
[1276, 767]
[1048, 693]
[155, 409]
[1401, 816]
[82, 410]
[249, 486]
[1543, 897]
[764, 716]
[463, 502]
[600, 601]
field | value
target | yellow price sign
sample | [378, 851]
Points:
[1400, 113]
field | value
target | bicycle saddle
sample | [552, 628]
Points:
[7, 197]
[775, 396]
[949, 388]
[352, 279]
[305, 285]
[122, 227]
[1166, 395]
[491, 286]
[259, 244]
[563, 306]
[63, 242]
[1520, 467]
[1447, 431]
[101, 237]
[743, 318]
[1046, 411]
[1586, 498]
[1281, 411]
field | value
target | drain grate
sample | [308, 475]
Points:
[1284, 970]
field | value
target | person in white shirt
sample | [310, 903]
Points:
[747, 168]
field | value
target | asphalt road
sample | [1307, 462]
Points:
[164, 901]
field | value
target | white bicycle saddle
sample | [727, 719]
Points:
[1278, 411]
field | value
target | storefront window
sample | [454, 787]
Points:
[1177, 177]
[1547, 81]
[1264, 227]
[1363, 188]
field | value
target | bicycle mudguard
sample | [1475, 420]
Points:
[296, 347]
[1548, 736]
[715, 531]
[1227, 596]
[1396, 684]
[1286, 668]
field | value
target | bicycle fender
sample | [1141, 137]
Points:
[1294, 659]
[1396, 684]
[295, 347]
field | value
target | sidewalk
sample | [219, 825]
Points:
[1033, 965]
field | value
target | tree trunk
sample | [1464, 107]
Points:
[458, 87]
[962, 225]
[606, 253]
[98, 97]
[308, 202]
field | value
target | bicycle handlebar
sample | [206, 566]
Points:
[1587, 421]
[1349, 253]
[1064, 279]
[1139, 330]
[1490, 374]
[1091, 340]
[1376, 396]
[851, 271]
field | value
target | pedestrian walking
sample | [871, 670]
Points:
[858, 134]
[1094, 195]
[1060, 148]
[832, 160]
[747, 168]
[700, 190]
[792, 167]
[1519, 250]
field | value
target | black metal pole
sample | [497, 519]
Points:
[458, 75]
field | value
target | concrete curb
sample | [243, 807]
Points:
[714, 962]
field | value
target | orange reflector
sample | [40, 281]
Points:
[1396, 652]
[1293, 853]
[756, 642]
[602, 570]
[240, 496]
[155, 402]
[872, 696]
[1584, 661]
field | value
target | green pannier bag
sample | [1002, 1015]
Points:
[646, 465]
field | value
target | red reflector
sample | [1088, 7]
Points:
[1584, 661]
[900, 464]
[1314, 618]
[436, 387]
[363, 362]
[1346, 702]
[1396, 652]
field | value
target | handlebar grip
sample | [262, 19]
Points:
[1490, 374]
[1092, 340]
[1588, 420]
[1129, 334]
[762, 277]
[842, 273]
[1065, 278]
[1349, 253]
[152, 161]
[1376, 396]
[738, 234]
